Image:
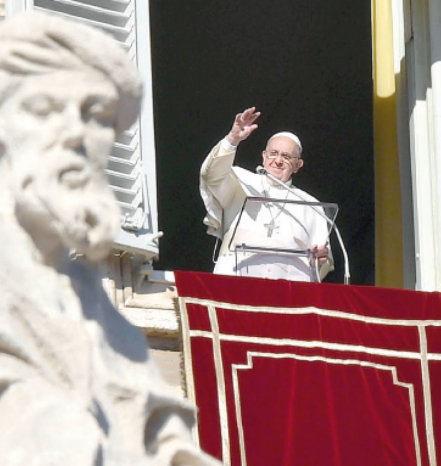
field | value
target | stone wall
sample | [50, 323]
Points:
[147, 298]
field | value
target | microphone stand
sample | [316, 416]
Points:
[262, 171]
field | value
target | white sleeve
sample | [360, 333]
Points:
[217, 184]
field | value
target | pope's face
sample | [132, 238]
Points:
[281, 158]
[59, 129]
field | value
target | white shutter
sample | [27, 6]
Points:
[131, 167]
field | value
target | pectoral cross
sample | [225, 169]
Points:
[271, 226]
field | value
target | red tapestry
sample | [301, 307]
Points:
[290, 373]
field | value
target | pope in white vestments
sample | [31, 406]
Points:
[245, 208]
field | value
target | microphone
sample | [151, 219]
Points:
[262, 171]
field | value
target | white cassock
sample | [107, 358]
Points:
[272, 225]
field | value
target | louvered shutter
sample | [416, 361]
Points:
[131, 167]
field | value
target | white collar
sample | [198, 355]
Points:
[268, 183]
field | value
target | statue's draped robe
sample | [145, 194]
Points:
[77, 385]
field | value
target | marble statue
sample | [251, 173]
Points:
[77, 386]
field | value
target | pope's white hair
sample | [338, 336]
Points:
[287, 134]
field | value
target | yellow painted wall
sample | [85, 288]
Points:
[388, 216]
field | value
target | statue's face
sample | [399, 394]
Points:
[58, 134]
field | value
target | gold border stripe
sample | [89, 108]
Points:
[220, 381]
[188, 362]
[315, 311]
[314, 344]
[392, 369]
[427, 397]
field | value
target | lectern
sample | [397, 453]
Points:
[274, 237]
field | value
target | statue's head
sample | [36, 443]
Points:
[65, 91]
